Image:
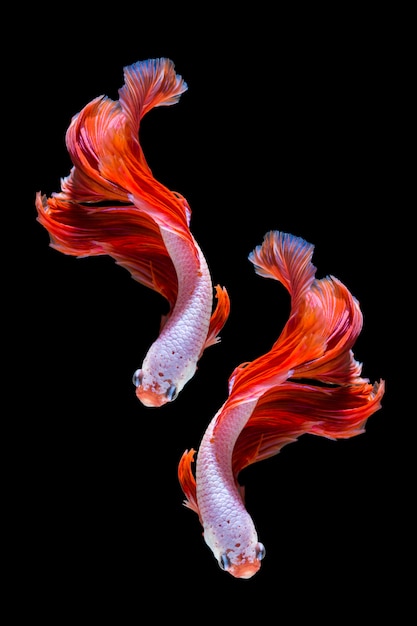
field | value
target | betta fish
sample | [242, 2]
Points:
[308, 383]
[111, 204]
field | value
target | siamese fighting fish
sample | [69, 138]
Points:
[111, 204]
[307, 383]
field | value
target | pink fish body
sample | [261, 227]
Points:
[110, 203]
[270, 403]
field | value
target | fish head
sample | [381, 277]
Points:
[163, 375]
[154, 393]
[243, 564]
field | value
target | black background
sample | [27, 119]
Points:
[287, 124]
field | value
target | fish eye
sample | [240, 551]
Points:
[260, 551]
[137, 378]
[171, 394]
[224, 562]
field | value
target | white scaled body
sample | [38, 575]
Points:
[229, 530]
[172, 359]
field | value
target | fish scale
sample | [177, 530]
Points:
[172, 358]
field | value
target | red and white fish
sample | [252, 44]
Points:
[111, 204]
[270, 402]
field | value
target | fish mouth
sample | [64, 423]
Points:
[244, 570]
[150, 398]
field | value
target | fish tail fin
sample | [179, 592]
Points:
[295, 409]
[64, 234]
[286, 258]
[129, 237]
[309, 382]
[149, 84]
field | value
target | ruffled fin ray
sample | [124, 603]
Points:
[219, 316]
[132, 239]
[187, 481]
[316, 343]
[285, 258]
[149, 84]
[295, 409]
[109, 167]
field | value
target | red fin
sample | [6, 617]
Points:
[187, 481]
[316, 344]
[88, 140]
[149, 84]
[285, 258]
[342, 323]
[288, 259]
[219, 316]
[129, 237]
[110, 203]
[295, 409]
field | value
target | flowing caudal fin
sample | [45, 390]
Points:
[294, 409]
[95, 211]
[149, 84]
[285, 258]
[309, 382]
[130, 238]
